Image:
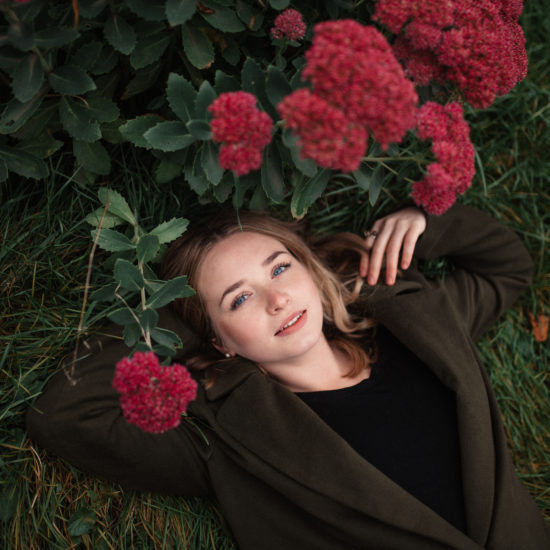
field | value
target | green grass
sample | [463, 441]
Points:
[44, 251]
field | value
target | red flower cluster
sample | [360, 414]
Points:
[454, 169]
[360, 84]
[289, 24]
[476, 44]
[327, 136]
[153, 397]
[242, 129]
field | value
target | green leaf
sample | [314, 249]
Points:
[109, 220]
[279, 4]
[306, 166]
[93, 156]
[226, 83]
[181, 96]
[308, 192]
[197, 47]
[148, 319]
[71, 80]
[21, 35]
[277, 86]
[87, 55]
[23, 163]
[210, 164]
[91, 8]
[41, 145]
[77, 120]
[113, 241]
[147, 248]
[169, 231]
[117, 204]
[131, 334]
[106, 61]
[55, 37]
[205, 97]
[120, 34]
[81, 522]
[224, 19]
[149, 49]
[128, 275]
[27, 78]
[135, 129]
[376, 184]
[179, 11]
[165, 337]
[254, 81]
[363, 177]
[231, 53]
[150, 10]
[224, 188]
[145, 78]
[250, 16]
[167, 170]
[169, 136]
[153, 285]
[272, 174]
[103, 109]
[16, 113]
[199, 129]
[122, 316]
[174, 288]
[105, 293]
[195, 176]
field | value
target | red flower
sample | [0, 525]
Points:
[289, 24]
[453, 173]
[475, 44]
[242, 128]
[153, 397]
[353, 68]
[325, 134]
[435, 193]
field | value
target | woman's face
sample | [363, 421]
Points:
[262, 303]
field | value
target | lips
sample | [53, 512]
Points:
[291, 321]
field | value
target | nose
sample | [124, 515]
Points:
[276, 300]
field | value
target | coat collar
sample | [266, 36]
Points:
[260, 415]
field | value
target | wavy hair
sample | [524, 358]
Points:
[332, 263]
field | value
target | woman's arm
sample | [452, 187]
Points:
[492, 266]
[82, 423]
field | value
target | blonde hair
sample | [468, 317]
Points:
[338, 286]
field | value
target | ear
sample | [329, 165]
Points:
[221, 348]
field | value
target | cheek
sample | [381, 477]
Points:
[238, 332]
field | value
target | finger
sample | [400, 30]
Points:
[364, 265]
[377, 255]
[409, 244]
[393, 249]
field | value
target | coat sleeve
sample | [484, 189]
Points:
[81, 421]
[492, 267]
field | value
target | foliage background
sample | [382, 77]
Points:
[44, 250]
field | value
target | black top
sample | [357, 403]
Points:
[403, 421]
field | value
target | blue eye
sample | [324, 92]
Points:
[238, 301]
[279, 269]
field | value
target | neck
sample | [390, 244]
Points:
[324, 368]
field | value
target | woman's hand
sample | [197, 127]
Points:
[389, 236]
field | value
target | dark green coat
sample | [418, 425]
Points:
[287, 481]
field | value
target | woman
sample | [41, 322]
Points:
[371, 426]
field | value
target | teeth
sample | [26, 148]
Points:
[290, 323]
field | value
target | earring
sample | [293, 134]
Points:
[227, 355]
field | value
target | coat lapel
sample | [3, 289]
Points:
[445, 346]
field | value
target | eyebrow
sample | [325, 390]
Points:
[265, 263]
